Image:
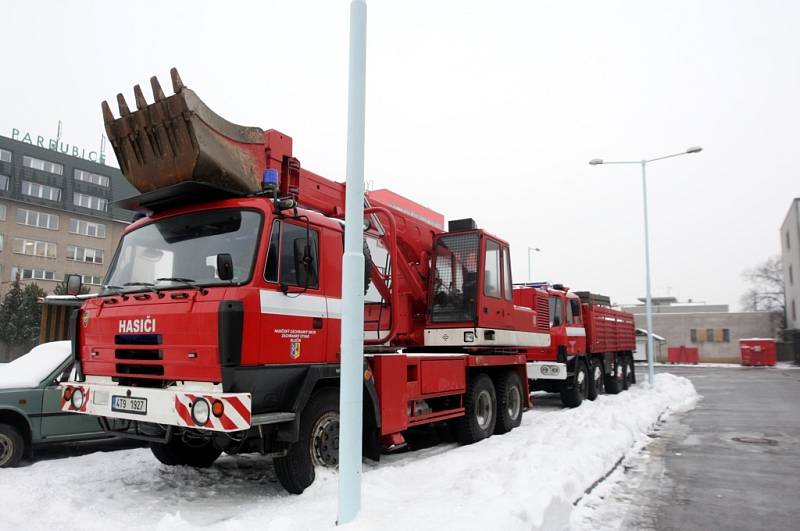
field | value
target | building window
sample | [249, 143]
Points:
[42, 191]
[87, 228]
[34, 247]
[89, 201]
[710, 335]
[787, 240]
[35, 218]
[791, 275]
[93, 280]
[2, 212]
[85, 254]
[43, 165]
[32, 274]
[1, 242]
[88, 177]
[5, 155]
[794, 312]
[4, 182]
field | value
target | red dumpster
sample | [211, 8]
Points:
[758, 351]
[683, 354]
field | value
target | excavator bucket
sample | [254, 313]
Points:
[178, 138]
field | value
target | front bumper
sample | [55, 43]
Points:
[171, 407]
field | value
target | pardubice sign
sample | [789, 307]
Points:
[55, 145]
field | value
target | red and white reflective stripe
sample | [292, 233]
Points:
[235, 416]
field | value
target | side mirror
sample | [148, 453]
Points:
[224, 266]
[304, 263]
[74, 284]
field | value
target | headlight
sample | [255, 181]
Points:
[200, 411]
[77, 398]
[545, 369]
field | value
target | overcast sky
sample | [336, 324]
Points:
[488, 110]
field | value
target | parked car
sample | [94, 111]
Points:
[30, 401]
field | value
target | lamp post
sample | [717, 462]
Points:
[649, 306]
[530, 250]
[352, 365]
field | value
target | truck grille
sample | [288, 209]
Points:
[132, 354]
[137, 339]
[140, 370]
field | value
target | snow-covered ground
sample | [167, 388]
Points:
[527, 479]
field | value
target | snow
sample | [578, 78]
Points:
[30, 369]
[527, 479]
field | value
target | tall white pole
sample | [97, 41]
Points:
[649, 302]
[352, 362]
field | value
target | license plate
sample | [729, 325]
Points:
[129, 404]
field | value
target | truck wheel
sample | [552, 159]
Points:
[576, 388]
[480, 415]
[630, 373]
[615, 382]
[318, 444]
[597, 380]
[510, 402]
[12, 446]
[178, 452]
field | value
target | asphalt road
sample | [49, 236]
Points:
[731, 463]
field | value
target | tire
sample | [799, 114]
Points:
[630, 374]
[510, 402]
[179, 452]
[12, 446]
[596, 379]
[615, 381]
[576, 388]
[480, 415]
[318, 443]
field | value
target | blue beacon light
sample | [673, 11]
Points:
[270, 178]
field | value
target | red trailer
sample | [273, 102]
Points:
[218, 326]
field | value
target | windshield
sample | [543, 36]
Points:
[181, 249]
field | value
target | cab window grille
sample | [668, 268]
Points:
[455, 278]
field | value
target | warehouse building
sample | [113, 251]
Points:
[790, 257]
[712, 328]
[56, 213]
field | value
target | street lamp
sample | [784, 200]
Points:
[531, 249]
[649, 305]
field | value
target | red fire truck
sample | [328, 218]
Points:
[218, 327]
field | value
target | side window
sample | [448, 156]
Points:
[491, 273]
[506, 274]
[292, 257]
[555, 311]
[574, 311]
[271, 272]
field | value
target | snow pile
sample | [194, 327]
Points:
[30, 369]
[526, 479]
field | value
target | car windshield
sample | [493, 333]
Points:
[183, 249]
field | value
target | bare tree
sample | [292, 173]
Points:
[766, 287]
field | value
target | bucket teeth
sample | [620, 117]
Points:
[158, 94]
[177, 83]
[141, 103]
[123, 107]
[108, 116]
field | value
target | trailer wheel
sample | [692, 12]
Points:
[12, 446]
[597, 380]
[576, 388]
[199, 454]
[510, 402]
[318, 444]
[480, 415]
[615, 382]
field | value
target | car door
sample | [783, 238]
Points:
[294, 307]
[56, 423]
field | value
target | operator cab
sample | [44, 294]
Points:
[471, 298]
